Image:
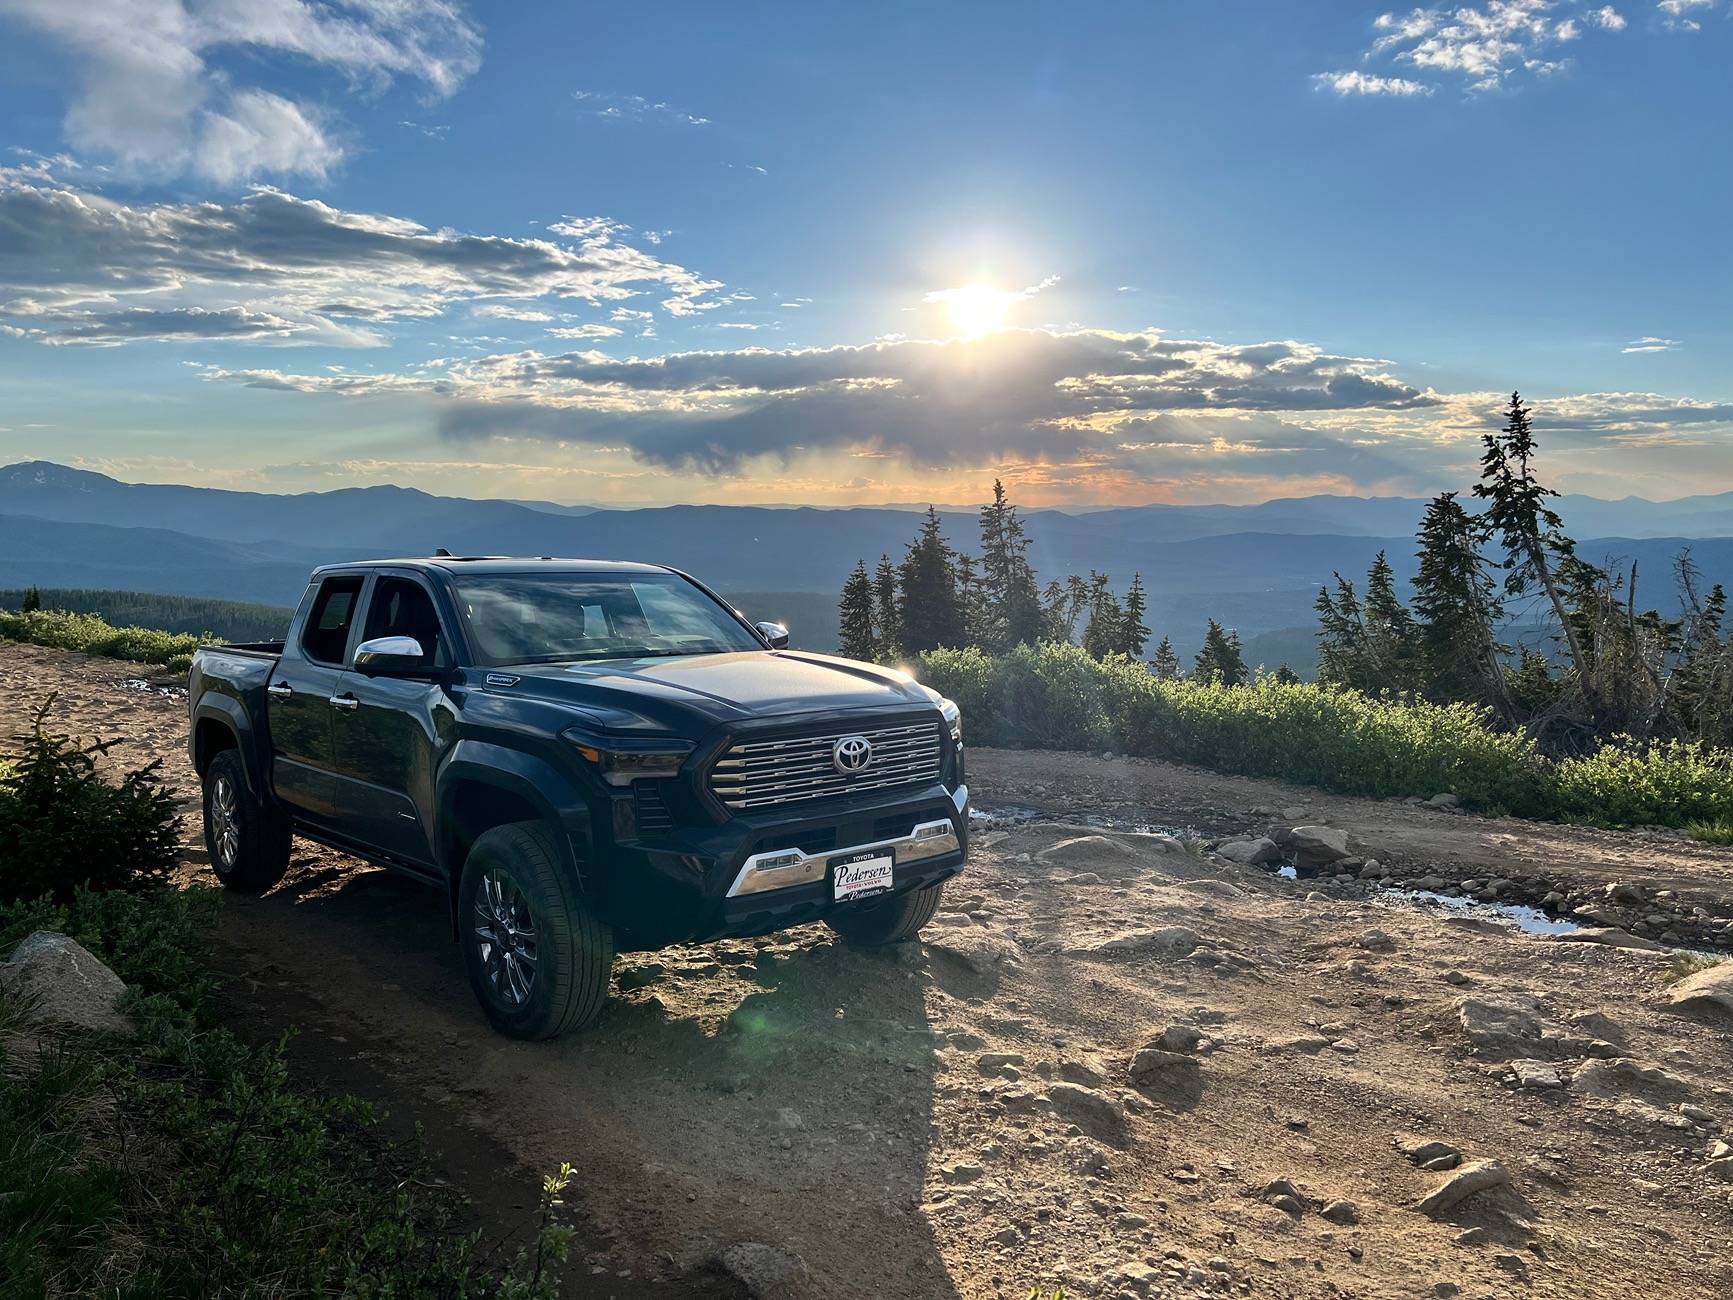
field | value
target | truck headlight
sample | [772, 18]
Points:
[621, 761]
[953, 719]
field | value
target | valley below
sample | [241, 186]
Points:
[1121, 1062]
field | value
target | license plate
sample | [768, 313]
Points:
[871, 873]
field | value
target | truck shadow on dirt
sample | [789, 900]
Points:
[778, 1090]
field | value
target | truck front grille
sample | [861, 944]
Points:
[759, 773]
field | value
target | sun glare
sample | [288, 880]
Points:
[978, 308]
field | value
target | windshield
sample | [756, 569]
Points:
[522, 618]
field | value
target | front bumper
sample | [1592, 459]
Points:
[754, 875]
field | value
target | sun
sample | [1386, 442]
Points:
[977, 309]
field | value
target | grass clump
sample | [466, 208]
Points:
[1711, 832]
[1689, 963]
[1054, 696]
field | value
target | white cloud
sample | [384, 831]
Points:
[635, 108]
[589, 330]
[156, 88]
[1482, 45]
[1678, 13]
[1650, 343]
[1361, 83]
[78, 266]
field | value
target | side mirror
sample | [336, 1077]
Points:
[390, 654]
[775, 633]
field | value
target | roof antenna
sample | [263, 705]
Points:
[442, 554]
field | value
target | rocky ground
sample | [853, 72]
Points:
[1121, 1063]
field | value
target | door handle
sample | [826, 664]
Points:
[348, 703]
[279, 690]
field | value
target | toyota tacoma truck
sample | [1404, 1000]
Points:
[587, 757]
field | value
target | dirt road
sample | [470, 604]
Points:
[960, 1118]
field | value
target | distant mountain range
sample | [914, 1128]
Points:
[1255, 567]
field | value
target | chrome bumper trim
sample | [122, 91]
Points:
[780, 868]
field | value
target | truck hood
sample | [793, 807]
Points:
[724, 687]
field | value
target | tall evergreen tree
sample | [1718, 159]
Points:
[1164, 663]
[858, 639]
[1012, 596]
[1104, 632]
[1133, 631]
[1392, 640]
[1221, 659]
[974, 609]
[929, 613]
[1457, 603]
[886, 602]
[1343, 656]
[1530, 530]
[32, 601]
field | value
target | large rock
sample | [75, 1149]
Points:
[1515, 1027]
[1470, 1180]
[1251, 853]
[1084, 850]
[767, 1272]
[1169, 943]
[58, 981]
[1709, 989]
[1611, 1080]
[1317, 846]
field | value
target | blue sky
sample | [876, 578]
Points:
[655, 252]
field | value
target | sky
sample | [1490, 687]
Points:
[1178, 250]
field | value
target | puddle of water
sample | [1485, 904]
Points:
[1530, 920]
[1287, 873]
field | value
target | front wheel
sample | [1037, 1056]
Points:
[538, 961]
[888, 920]
[248, 842]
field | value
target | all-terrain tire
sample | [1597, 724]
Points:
[248, 841]
[515, 875]
[889, 920]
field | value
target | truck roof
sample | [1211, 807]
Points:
[501, 564]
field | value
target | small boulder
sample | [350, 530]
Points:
[1094, 1112]
[1709, 989]
[1084, 850]
[1154, 1067]
[1342, 1212]
[1535, 1074]
[1427, 1153]
[1316, 846]
[1251, 853]
[60, 982]
[1179, 1038]
[1470, 1180]
[1375, 941]
[1444, 801]
[767, 1272]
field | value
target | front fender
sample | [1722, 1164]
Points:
[524, 778]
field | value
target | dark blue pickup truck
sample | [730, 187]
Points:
[587, 757]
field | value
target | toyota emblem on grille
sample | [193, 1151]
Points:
[851, 754]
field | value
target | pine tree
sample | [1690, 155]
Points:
[1133, 631]
[1458, 607]
[972, 604]
[1104, 632]
[1165, 662]
[929, 614]
[1287, 676]
[1343, 656]
[1015, 615]
[857, 637]
[885, 605]
[32, 601]
[1221, 660]
[1530, 530]
[1392, 640]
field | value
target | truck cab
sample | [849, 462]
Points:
[586, 756]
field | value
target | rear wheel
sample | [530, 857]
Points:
[538, 961]
[889, 920]
[248, 842]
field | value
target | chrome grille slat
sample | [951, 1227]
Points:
[758, 773]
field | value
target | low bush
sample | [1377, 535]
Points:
[180, 1161]
[1057, 697]
[91, 634]
[64, 823]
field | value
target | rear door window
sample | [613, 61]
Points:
[326, 635]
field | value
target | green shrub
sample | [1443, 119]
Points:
[64, 824]
[1717, 832]
[1057, 697]
[89, 633]
[1627, 784]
